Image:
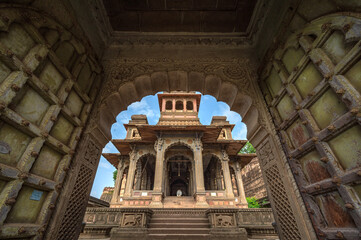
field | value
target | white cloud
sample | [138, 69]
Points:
[105, 165]
[240, 132]
[232, 117]
[142, 108]
[109, 148]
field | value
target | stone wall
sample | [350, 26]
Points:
[253, 183]
[107, 194]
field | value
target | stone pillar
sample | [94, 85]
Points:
[166, 187]
[118, 181]
[159, 170]
[199, 174]
[190, 183]
[241, 195]
[227, 176]
[124, 180]
[163, 105]
[148, 181]
[219, 177]
[195, 105]
[144, 180]
[131, 173]
[138, 178]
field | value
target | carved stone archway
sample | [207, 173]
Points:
[79, 97]
[233, 81]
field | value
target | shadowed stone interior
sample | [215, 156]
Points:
[224, 16]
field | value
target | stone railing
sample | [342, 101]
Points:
[246, 222]
[99, 222]
[133, 222]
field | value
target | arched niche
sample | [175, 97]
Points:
[179, 169]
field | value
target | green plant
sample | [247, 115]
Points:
[264, 202]
[252, 202]
[248, 148]
[115, 175]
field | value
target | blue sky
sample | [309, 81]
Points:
[209, 107]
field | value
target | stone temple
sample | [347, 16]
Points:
[290, 68]
[177, 170]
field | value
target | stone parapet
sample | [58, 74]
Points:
[230, 223]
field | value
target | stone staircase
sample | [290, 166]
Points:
[179, 202]
[173, 224]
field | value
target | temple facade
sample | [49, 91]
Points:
[178, 179]
[178, 162]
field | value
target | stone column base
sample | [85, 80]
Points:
[156, 200]
[201, 200]
[119, 233]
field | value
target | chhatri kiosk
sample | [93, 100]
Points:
[178, 179]
[178, 154]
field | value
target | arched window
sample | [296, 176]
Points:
[179, 105]
[168, 105]
[223, 134]
[189, 105]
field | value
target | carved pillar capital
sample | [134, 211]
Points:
[158, 145]
[198, 145]
[133, 153]
[224, 155]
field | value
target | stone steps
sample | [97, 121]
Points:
[182, 225]
[181, 231]
[179, 225]
[180, 237]
[179, 202]
[179, 220]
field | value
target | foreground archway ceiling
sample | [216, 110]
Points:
[222, 16]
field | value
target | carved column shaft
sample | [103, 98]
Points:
[198, 162]
[240, 188]
[148, 182]
[218, 176]
[139, 175]
[159, 167]
[130, 177]
[144, 180]
[118, 182]
[227, 178]
[159, 172]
